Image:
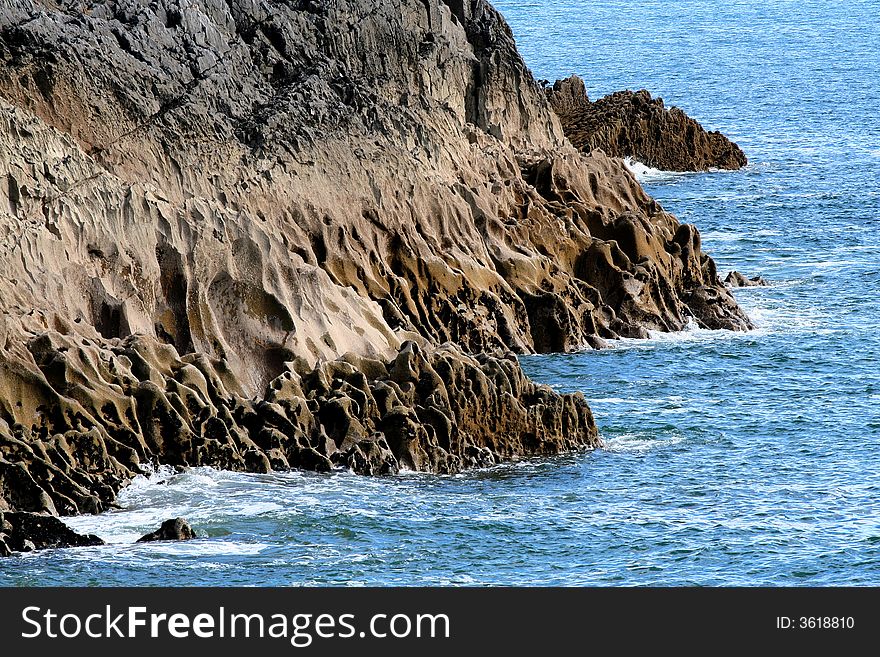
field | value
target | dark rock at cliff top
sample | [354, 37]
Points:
[26, 532]
[175, 529]
[632, 124]
[260, 235]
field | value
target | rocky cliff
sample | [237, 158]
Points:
[264, 234]
[633, 124]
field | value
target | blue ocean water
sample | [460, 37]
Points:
[731, 459]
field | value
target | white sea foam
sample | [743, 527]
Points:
[775, 317]
[121, 527]
[199, 495]
[691, 333]
[636, 443]
[736, 236]
[645, 174]
[769, 317]
[204, 548]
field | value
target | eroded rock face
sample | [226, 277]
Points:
[434, 410]
[26, 532]
[262, 235]
[633, 124]
[258, 181]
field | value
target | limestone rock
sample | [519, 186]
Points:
[633, 124]
[269, 235]
[260, 182]
[433, 409]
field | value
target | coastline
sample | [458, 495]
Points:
[276, 301]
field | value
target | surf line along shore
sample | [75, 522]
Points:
[257, 240]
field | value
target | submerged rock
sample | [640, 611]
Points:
[635, 125]
[176, 529]
[735, 279]
[26, 532]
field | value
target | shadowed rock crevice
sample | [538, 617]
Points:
[172, 323]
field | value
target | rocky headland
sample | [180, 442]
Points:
[635, 125]
[265, 235]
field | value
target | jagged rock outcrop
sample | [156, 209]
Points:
[26, 532]
[262, 235]
[175, 529]
[434, 411]
[633, 124]
[735, 279]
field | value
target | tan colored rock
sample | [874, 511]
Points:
[434, 410]
[235, 234]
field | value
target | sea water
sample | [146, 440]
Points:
[731, 459]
